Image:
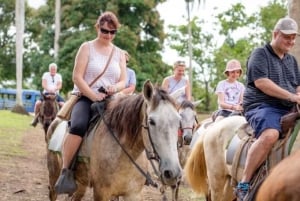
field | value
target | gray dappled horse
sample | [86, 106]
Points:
[133, 123]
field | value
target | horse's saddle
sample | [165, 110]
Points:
[56, 141]
[239, 145]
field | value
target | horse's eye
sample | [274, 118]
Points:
[151, 122]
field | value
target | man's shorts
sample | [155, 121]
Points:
[265, 117]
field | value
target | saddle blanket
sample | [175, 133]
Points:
[57, 138]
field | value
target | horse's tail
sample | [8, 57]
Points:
[195, 168]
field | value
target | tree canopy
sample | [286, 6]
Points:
[141, 34]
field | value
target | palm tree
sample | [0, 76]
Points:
[57, 28]
[190, 47]
[20, 15]
[294, 12]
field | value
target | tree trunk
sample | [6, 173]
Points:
[57, 28]
[20, 14]
[294, 12]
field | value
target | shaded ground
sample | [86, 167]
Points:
[25, 178]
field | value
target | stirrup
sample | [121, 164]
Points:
[66, 182]
[35, 121]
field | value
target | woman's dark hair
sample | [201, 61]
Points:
[109, 18]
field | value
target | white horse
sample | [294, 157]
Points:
[206, 169]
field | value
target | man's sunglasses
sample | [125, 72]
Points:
[105, 31]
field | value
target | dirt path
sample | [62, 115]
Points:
[25, 178]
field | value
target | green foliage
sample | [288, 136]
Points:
[241, 32]
[7, 50]
[141, 34]
[267, 20]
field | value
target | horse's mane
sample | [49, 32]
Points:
[49, 106]
[187, 104]
[125, 114]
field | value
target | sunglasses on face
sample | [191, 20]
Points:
[105, 31]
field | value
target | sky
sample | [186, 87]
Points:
[173, 12]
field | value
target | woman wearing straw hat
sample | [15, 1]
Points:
[230, 91]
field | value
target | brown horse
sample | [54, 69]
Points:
[206, 169]
[283, 182]
[130, 124]
[48, 110]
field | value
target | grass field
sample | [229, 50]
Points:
[12, 126]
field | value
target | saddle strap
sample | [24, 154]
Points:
[236, 160]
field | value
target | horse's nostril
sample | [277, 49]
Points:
[168, 174]
[187, 139]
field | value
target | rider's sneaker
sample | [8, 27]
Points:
[241, 190]
[34, 122]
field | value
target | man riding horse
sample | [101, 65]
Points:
[272, 88]
[51, 83]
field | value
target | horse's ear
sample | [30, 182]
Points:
[195, 103]
[148, 90]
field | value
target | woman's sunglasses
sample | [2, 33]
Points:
[105, 31]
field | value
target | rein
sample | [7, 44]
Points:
[53, 115]
[187, 128]
[149, 180]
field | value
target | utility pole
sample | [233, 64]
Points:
[20, 15]
[190, 47]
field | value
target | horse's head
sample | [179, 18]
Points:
[162, 122]
[49, 109]
[188, 120]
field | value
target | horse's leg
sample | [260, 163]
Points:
[54, 171]
[82, 181]
[217, 172]
[162, 190]
[175, 192]
[228, 190]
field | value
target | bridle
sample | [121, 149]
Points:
[46, 117]
[181, 128]
[151, 155]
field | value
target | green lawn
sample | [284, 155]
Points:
[12, 126]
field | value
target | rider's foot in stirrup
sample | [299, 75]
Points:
[241, 190]
[34, 122]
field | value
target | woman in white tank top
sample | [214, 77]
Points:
[90, 61]
[177, 85]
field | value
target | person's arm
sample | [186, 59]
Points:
[222, 103]
[129, 90]
[270, 88]
[59, 83]
[80, 65]
[120, 85]
[132, 83]
[298, 90]
[165, 84]
[44, 84]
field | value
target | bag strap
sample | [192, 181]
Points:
[106, 65]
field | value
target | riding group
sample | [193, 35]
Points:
[230, 155]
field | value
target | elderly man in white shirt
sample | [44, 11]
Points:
[51, 83]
